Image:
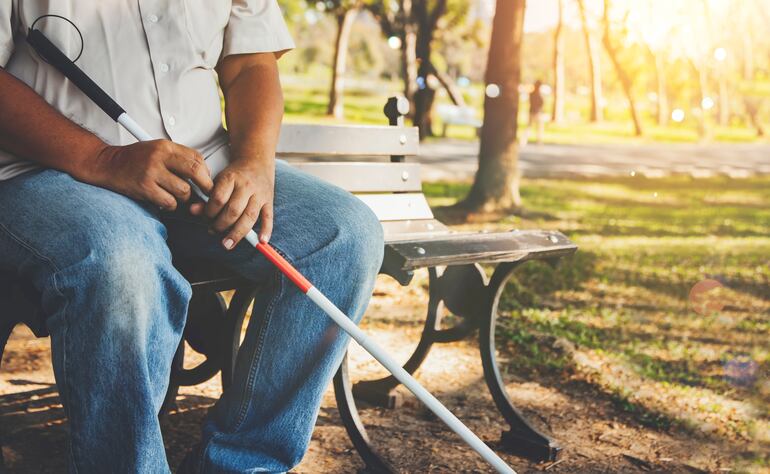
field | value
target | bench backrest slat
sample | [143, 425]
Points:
[351, 140]
[398, 207]
[366, 177]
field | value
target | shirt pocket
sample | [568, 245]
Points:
[205, 21]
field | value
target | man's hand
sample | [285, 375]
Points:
[154, 171]
[243, 192]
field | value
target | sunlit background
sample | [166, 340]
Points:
[699, 68]
[646, 351]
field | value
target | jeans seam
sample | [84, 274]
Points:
[55, 279]
[248, 387]
[29, 248]
[246, 398]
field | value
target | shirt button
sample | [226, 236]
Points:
[171, 120]
[153, 18]
[164, 67]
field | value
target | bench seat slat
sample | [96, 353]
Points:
[352, 140]
[398, 207]
[363, 177]
[476, 247]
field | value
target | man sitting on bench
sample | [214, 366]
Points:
[91, 219]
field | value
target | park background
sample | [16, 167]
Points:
[647, 350]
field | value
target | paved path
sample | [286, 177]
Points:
[448, 159]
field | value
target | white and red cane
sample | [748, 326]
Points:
[53, 55]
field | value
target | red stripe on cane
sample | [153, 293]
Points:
[286, 268]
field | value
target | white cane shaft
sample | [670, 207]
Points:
[409, 382]
[360, 337]
[134, 128]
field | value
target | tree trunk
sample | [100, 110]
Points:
[752, 104]
[625, 80]
[344, 26]
[496, 185]
[748, 53]
[425, 95]
[557, 114]
[451, 88]
[409, 53]
[752, 109]
[721, 70]
[660, 80]
[702, 80]
[724, 99]
[594, 67]
[703, 118]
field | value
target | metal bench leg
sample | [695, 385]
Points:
[236, 313]
[382, 392]
[225, 344]
[346, 405]
[455, 288]
[522, 439]
[5, 332]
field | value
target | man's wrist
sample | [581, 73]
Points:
[251, 158]
[92, 168]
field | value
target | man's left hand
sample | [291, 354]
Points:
[242, 193]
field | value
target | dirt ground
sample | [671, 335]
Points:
[596, 435]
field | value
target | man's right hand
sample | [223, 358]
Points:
[155, 171]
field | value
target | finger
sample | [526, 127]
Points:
[161, 198]
[189, 164]
[219, 196]
[175, 186]
[196, 208]
[266, 226]
[232, 210]
[243, 225]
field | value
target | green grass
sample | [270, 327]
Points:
[622, 301]
[307, 103]
[306, 99]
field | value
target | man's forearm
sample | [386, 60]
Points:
[253, 110]
[32, 129]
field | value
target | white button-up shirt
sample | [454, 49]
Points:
[154, 57]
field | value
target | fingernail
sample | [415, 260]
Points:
[264, 238]
[229, 244]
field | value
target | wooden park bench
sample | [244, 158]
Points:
[414, 239]
[457, 115]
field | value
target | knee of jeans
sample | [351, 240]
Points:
[132, 282]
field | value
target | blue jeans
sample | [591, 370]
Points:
[116, 308]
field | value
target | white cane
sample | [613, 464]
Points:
[60, 61]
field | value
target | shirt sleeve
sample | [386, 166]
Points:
[256, 26]
[6, 31]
